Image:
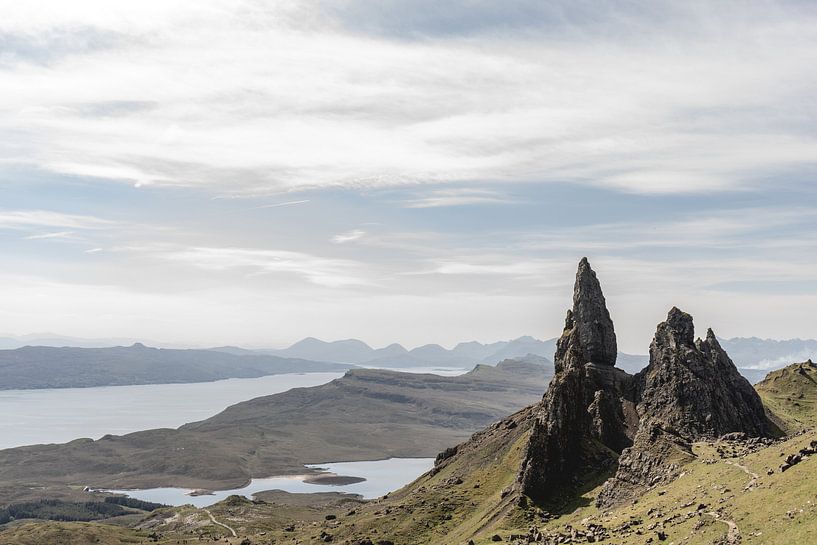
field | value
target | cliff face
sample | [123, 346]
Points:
[586, 415]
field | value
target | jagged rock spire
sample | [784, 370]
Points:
[694, 388]
[690, 390]
[583, 416]
[596, 335]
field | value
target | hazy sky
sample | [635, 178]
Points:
[252, 172]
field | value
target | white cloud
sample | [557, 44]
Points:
[256, 98]
[458, 197]
[280, 204]
[349, 236]
[54, 235]
[317, 270]
[26, 219]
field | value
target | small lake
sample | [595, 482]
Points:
[381, 476]
[62, 414]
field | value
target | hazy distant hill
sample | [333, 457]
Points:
[53, 365]
[50, 367]
[463, 355]
[766, 354]
[10, 342]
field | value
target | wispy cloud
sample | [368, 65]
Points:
[458, 197]
[317, 270]
[726, 229]
[54, 235]
[280, 204]
[25, 219]
[652, 97]
[349, 236]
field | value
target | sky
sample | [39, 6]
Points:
[204, 172]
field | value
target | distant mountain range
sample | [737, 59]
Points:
[753, 356]
[10, 342]
[465, 354]
[395, 356]
[54, 361]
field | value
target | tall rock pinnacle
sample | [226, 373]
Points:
[596, 335]
[584, 415]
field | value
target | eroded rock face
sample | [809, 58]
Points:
[694, 388]
[583, 420]
[690, 390]
[591, 319]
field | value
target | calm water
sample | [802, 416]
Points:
[381, 476]
[62, 414]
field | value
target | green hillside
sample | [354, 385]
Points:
[791, 395]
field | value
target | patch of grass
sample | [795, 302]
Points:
[69, 533]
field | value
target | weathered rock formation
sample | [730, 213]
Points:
[587, 415]
[596, 419]
[690, 390]
[694, 388]
[596, 338]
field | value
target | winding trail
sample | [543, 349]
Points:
[754, 476]
[217, 523]
[733, 535]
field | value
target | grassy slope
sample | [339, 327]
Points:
[69, 533]
[779, 509]
[791, 394]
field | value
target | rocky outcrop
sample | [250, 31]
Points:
[690, 390]
[587, 414]
[595, 418]
[694, 388]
